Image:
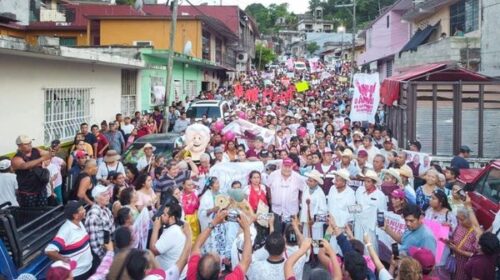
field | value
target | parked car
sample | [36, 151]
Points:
[483, 186]
[24, 233]
[164, 144]
[213, 109]
[300, 66]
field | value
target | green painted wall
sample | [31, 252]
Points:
[186, 80]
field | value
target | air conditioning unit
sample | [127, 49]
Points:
[143, 44]
[48, 41]
[242, 58]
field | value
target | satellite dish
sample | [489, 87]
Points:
[188, 48]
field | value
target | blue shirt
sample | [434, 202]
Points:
[459, 162]
[421, 238]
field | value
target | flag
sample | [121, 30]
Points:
[366, 97]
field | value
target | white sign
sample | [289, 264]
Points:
[228, 172]
[419, 158]
[240, 126]
[394, 222]
[366, 97]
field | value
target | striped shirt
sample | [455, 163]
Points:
[166, 182]
[72, 241]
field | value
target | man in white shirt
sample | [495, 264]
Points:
[8, 183]
[285, 185]
[313, 201]
[127, 127]
[341, 197]
[372, 200]
[168, 248]
[147, 158]
[273, 267]
[369, 148]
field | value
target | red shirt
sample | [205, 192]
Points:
[101, 142]
[194, 260]
[142, 131]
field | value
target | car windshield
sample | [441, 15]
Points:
[134, 152]
[198, 112]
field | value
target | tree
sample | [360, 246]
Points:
[313, 4]
[263, 54]
[312, 47]
[125, 2]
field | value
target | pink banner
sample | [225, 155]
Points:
[440, 232]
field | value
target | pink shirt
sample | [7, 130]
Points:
[285, 192]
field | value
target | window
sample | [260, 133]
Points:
[388, 21]
[65, 110]
[129, 92]
[143, 44]
[67, 41]
[218, 50]
[205, 45]
[491, 185]
[464, 17]
[388, 68]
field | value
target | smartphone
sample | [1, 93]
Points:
[380, 219]
[106, 237]
[395, 250]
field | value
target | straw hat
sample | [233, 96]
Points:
[343, 173]
[148, 145]
[315, 175]
[370, 174]
[111, 155]
[405, 170]
[394, 173]
[346, 153]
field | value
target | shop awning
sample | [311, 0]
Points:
[390, 88]
[420, 37]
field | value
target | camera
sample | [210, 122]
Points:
[233, 215]
[321, 218]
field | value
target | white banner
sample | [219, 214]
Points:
[396, 223]
[239, 127]
[419, 158]
[314, 65]
[228, 172]
[366, 97]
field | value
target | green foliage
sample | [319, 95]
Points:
[266, 17]
[264, 54]
[125, 2]
[312, 47]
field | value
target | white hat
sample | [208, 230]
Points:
[343, 173]
[98, 190]
[372, 175]
[4, 164]
[315, 175]
[394, 173]
[406, 171]
[23, 139]
[148, 145]
[346, 153]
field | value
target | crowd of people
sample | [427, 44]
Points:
[322, 207]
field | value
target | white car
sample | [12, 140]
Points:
[213, 109]
[300, 66]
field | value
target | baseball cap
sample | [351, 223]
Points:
[60, 270]
[424, 256]
[465, 148]
[362, 154]
[71, 208]
[98, 190]
[23, 139]
[288, 162]
[156, 274]
[4, 164]
[81, 154]
[398, 193]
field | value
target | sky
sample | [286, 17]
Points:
[296, 6]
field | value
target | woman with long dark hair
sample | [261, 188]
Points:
[255, 191]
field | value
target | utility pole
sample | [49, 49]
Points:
[354, 31]
[170, 60]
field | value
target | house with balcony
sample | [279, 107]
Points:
[384, 38]
[444, 31]
[490, 48]
[314, 22]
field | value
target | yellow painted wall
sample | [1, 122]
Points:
[126, 31]
[81, 36]
[5, 31]
[442, 15]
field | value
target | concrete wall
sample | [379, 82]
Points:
[22, 80]
[446, 50]
[490, 48]
[126, 31]
[21, 8]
